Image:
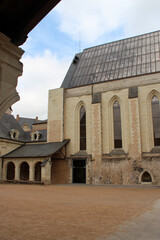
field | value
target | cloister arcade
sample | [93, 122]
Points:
[23, 171]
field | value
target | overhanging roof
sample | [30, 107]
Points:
[19, 17]
[36, 150]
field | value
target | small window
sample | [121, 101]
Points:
[146, 177]
[35, 136]
[117, 125]
[156, 120]
[14, 133]
[82, 128]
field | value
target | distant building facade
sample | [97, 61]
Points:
[108, 109]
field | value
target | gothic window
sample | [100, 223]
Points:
[82, 128]
[117, 125]
[156, 120]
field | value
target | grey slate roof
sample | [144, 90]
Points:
[42, 137]
[129, 57]
[36, 150]
[8, 122]
[29, 121]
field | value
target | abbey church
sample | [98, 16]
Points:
[103, 123]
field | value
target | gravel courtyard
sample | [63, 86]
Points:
[67, 212]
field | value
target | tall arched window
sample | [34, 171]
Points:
[117, 125]
[82, 128]
[156, 120]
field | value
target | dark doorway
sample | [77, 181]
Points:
[24, 171]
[79, 171]
[146, 177]
[38, 171]
[10, 171]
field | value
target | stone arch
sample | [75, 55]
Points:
[10, 171]
[37, 171]
[113, 99]
[152, 94]
[145, 177]
[78, 107]
[24, 171]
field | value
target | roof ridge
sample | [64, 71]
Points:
[126, 38]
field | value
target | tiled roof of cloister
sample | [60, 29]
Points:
[36, 150]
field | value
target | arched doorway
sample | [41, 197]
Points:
[38, 171]
[24, 171]
[146, 177]
[10, 171]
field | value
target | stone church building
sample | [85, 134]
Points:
[103, 122]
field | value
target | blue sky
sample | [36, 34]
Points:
[52, 44]
[46, 35]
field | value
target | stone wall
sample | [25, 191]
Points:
[55, 115]
[109, 165]
[60, 172]
[7, 146]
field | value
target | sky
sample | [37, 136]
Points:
[69, 28]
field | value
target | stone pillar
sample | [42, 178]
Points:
[4, 171]
[135, 130]
[17, 172]
[10, 70]
[96, 138]
[31, 172]
[46, 172]
[135, 140]
[55, 115]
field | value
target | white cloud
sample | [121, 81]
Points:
[40, 74]
[94, 19]
[143, 17]
[99, 21]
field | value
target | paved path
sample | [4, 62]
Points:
[144, 227]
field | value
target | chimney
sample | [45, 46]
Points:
[36, 119]
[17, 118]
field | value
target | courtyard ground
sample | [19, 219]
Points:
[68, 212]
